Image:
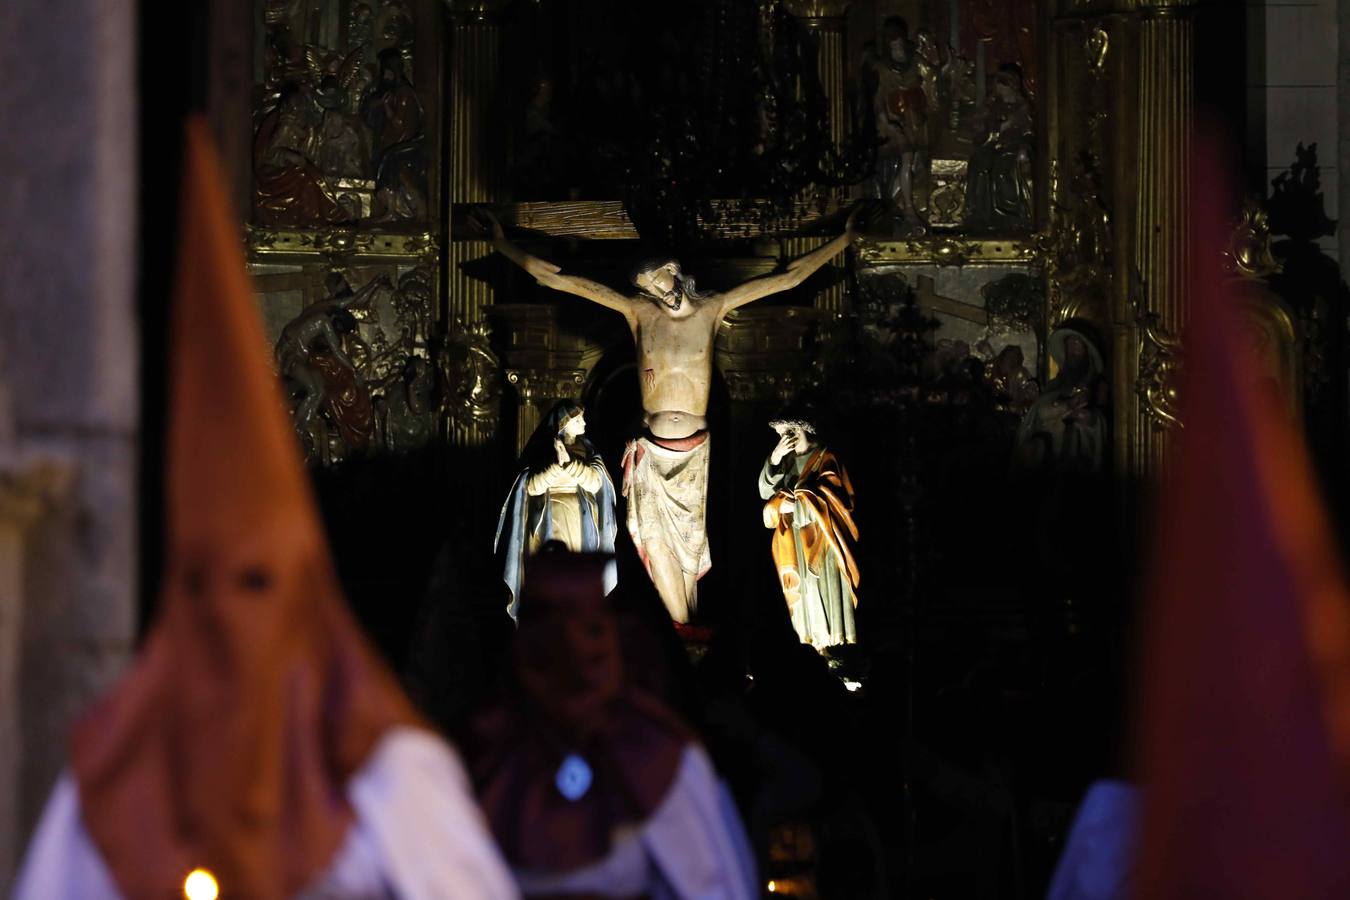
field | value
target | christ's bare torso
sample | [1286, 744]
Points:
[675, 358]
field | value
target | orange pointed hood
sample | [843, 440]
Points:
[1245, 711]
[229, 743]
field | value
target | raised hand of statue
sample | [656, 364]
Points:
[786, 444]
[561, 449]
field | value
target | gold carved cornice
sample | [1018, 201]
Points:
[339, 242]
[818, 9]
[607, 219]
[534, 336]
[477, 10]
[542, 385]
[1160, 8]
[1249, 254]
[949, 250]
[762, 352]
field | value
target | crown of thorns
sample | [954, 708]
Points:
[792, 421]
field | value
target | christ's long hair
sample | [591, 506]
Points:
[684, 284]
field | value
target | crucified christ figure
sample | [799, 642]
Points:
[666, 468]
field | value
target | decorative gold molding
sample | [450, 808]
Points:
[950, 250]
[477, 10]
[607, 219]
[1249, 254]
[1160, 359]
[1097, 46]
[818, 9]
[539, 385]
[761, 386]
[267, 242]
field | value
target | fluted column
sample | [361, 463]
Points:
[475, 175]
[538, 390]
[824, 21]
[1166, 101]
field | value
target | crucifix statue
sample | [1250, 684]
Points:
[666, 467]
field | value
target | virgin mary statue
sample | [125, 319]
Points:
[563, 493]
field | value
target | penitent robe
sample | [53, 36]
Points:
[417, 833]
[814, 547]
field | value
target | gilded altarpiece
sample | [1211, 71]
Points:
[1041, 147]
[345, 228]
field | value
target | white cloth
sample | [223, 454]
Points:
[692, 848]
[1098, 860]
[667, 494]
[418, 834]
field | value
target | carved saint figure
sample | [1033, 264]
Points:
[591, 785]
[809, 506]
[901, 109]
[1066, 427]
[289, 188]
[394, 115]
[1014, 388]
[563, 493]
[319, 372]
[409, 406]
[998, 186]
[666, 468]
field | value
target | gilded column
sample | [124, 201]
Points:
[475, 176]
[824, 21]
[1166, 100]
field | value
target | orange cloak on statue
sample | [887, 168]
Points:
[811, 514]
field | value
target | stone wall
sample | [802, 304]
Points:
[1292, 76]
[68, 382]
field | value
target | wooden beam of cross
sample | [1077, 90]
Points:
[926, 295]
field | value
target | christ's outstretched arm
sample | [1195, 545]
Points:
[796, 272]
[550, 276]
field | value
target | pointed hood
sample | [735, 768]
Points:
[1245, 711]
[229, 743]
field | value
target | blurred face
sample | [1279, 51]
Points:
[1075, 352]
[899, 52]
[571, 663]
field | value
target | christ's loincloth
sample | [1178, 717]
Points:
[666, 483]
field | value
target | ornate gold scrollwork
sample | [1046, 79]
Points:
[1097, 47]
[339, 244]
[1077, 246]
[763, 387]
[949, 250]
[818, 9]
[470, 372]
[542, 385]
[1249, 253]
[477, 10]
[1160, 360]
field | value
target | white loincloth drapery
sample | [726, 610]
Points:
[666, 484]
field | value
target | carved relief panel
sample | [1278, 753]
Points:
[951, 91]
[345, 126]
